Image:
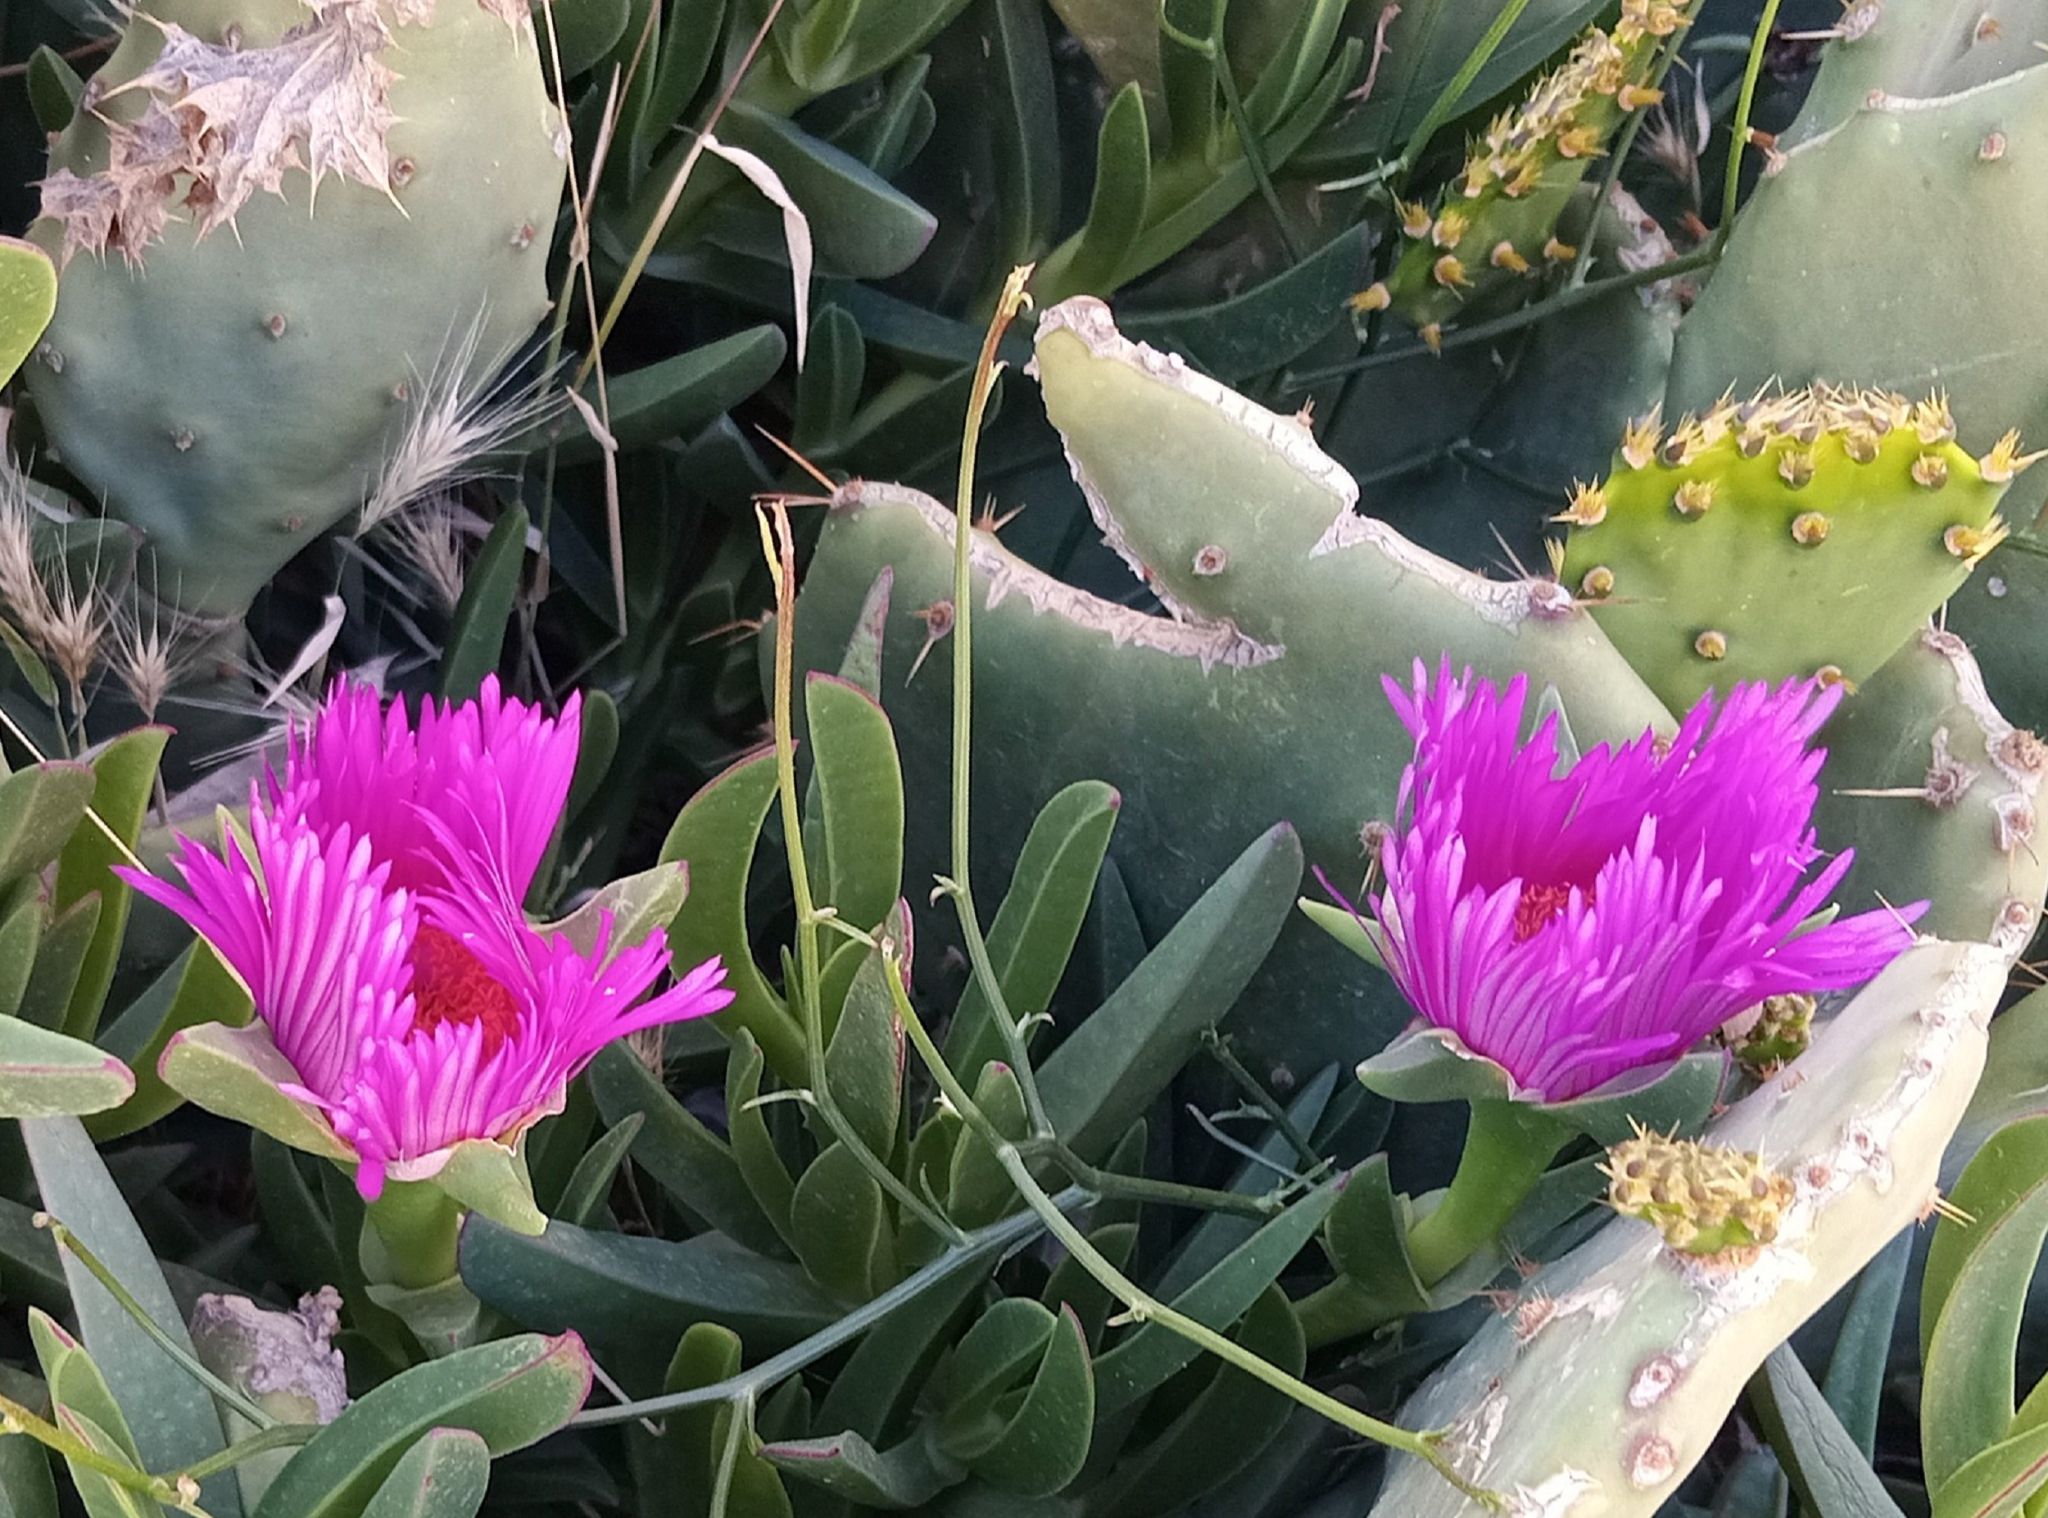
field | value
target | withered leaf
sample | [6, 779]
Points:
[222, 124]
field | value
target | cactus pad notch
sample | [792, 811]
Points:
[1797, 533]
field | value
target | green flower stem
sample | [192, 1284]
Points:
[1514, 321]
[1012, 301]
[1220, 1051]
[975, 1251]
[1446, 104]
[1141, 1188]
[1731, 188]
[277, 1436]
[1140, 1306]
[125, 1299]
[780, 549]
[418, 1223]
[1507, 1148]
[179, 1491]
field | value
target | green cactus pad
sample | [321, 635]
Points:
[1256, 700]
[1937, 792]
[1838, 266]
[1794, 534]
[235, 394]
[1610, 1374]
[1497, 223]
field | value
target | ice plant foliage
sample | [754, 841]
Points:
[374, 913]
[1574, 926]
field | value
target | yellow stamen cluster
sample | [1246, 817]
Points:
[1703, 1200]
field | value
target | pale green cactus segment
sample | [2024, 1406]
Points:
[1593, 1394]
[1858, 312]
[1247, 532]
[1793, 534]
[236, 394]
[1496, 224]
[1916, 49]
[1938, 794]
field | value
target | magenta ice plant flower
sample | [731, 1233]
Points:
[1575, 924]
[374, 913]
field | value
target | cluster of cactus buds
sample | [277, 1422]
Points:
[1777, 1033]
[1703, 1199]
[1497, 221]
[1795, 533]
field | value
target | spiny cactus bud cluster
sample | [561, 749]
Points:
[1776, 1035]
[1498, 221]
[1703, 1200]
[1795, 533]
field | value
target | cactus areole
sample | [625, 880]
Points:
[274, 218]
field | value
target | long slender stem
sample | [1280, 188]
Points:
[978, 1248]
[780, 547]
[16, 1420]
[1012, 301]
[1142, 1188]
[280, 1436]
[1514, 321]
[1220, 1051]
[1136, 1301]
[1731, 189]
[69, 1241]
[1452, 95]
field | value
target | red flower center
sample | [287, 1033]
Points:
[450, 985]
[1539, 904]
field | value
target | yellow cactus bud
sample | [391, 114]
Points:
[1559, 252]
[1693, 498]
[1588, 506]
[1597, 583]
[1449, 272]
[1432, 335]
[1374, 297]
[1932, 420]
[1578, 142]
[1634, 97]
[1505, 257]
[1810, 528]
[1415, 218]
[1703, 1200]
[1711, 645]
[1639, 441]
[1450, 229]
[1970, 544]
[1528, 176]
[2005, 460]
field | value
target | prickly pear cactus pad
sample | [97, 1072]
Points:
[1602, 1382]
[274, 220]
[1858, 211]
[1792, 534]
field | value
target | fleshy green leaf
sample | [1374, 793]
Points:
[512, 1393]
[45, 1074]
